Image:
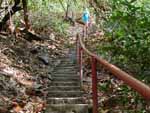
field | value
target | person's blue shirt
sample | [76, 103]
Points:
[86, 16]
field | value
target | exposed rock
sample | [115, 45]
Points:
[44, 59]
[49, 76]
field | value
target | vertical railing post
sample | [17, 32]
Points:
[94, 86]
[77, 48]
[79, 51]
[81, 63]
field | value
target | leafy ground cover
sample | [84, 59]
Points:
[25, 69]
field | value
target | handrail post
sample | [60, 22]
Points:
[77, 48]
[94, 86]
[79, 53]
[81, 63]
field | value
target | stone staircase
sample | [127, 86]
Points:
[65, 94]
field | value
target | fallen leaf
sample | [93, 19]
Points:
[17, 109]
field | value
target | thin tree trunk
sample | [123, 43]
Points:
[1, 1]
[62, 5]
[67, 10]
[25, 8]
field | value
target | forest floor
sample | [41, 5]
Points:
[25, 71]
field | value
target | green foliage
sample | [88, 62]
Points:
[105, 86]
[127, 44]
[128, 29]
[60, 26]
[52, 12]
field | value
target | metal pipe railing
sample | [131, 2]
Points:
[94, 84]
[137, 85]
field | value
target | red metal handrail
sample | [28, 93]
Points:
[137, 85]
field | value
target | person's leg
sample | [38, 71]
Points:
[86, 29]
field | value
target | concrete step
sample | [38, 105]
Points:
[67, 83]
[68, 72]
[66, 79]
[67, 63]
[66, 100]
[77, 81]
[64, 88]
[65, 75]
[66, 60]
[67, 67]
[65, 93]
[67, 108]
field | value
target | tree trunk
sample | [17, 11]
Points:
[67, 10]
[1, 1]
[62, 5]
[25, 8]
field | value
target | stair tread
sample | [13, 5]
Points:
[66, 72]
[71, 98]
[65, 79]
[67, 67]
[65, 82]
[66, 86]
[65, 91]
[67, 104]
[77, 76]
[65, 100]
[72, 93]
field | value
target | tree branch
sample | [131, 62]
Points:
[13, 10]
